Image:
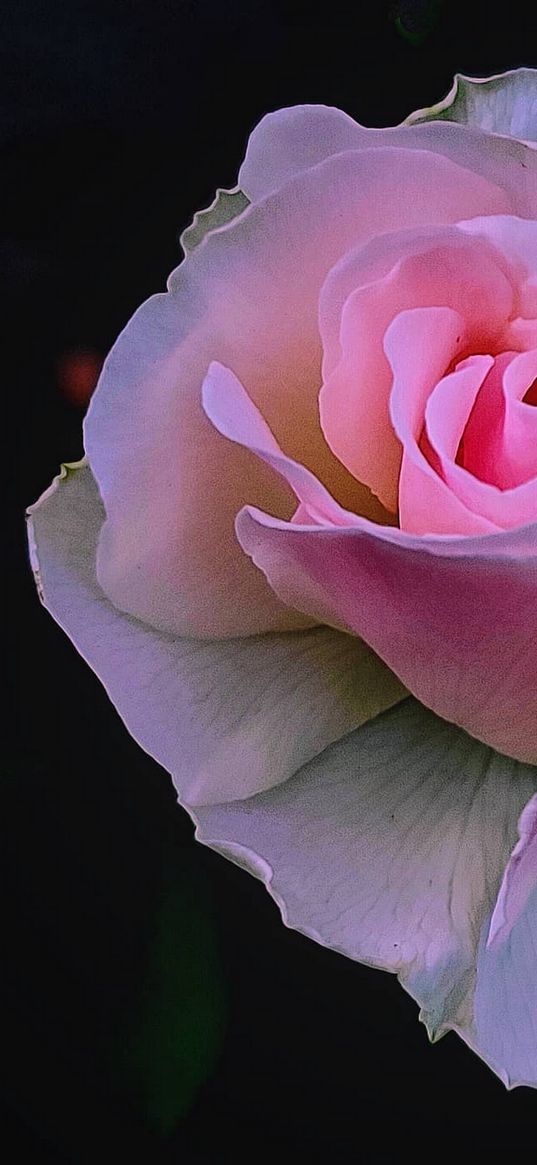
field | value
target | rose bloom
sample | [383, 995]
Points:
[301, 551]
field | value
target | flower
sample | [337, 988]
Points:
[301, 553]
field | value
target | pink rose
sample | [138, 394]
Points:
[302, 552]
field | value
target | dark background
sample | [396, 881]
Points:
[155, 1007]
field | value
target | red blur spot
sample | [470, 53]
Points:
[78, 373]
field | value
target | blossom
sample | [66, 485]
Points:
[301, 551]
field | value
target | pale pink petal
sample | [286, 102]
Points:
[247, 297]
[519, 879]
[289, 141]
[514, 237]
[522, 334]
[433, 268]
[368, 264]
[389, 848]
[227, 719]
[446, 416]
[516, 240]
[231, 411]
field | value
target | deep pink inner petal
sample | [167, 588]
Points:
[420, 345]
[457, 272]
[446, 414]
[499, 443]
[450, 404]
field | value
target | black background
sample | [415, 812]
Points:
[118, 122]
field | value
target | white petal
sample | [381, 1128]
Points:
[503, 104]
[519, 879]
[390, 848]
[505, 1007]
[227, 718]
[290, 141]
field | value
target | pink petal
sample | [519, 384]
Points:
[430, 268]
[227, 719]
[449, 406]
[519, 879]
[519, 454]
[454, 618]
[500, 438]
[386, 255]
[516, 240]
[420, 344]
[248, 297]
[289, 141]
[446, 416]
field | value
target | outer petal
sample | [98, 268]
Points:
[290, 141]
[455, 618]
[505, 1006]
[519, 880]
[225, 207]
[503, 104]
[247, 296]
[389, 847]
[226, 718]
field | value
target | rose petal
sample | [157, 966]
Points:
[371, 263]
[231, 411]
[447, 411]
[420, 344]
[389, 848]
[442, 612]
[454, 618]
[416, 269]
[505, 1004]
[519, 879]
[516, 239]
[248, 297]
[227, 719]
[500, 438]
[290, 141]
[503, 104]
[520, 430]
